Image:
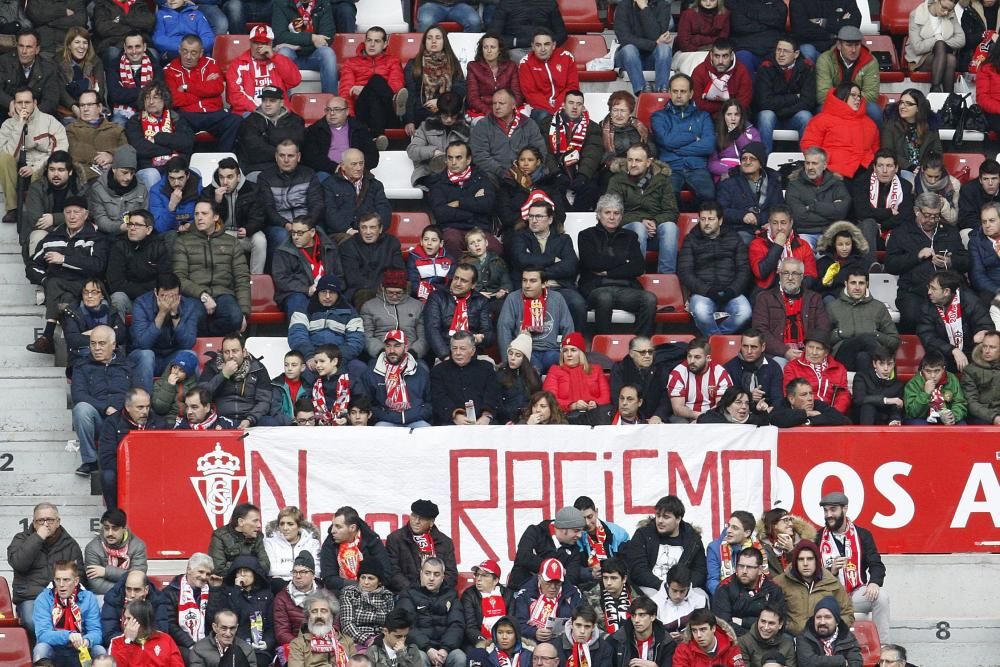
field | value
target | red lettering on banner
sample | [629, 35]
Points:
[609, 496]
[727, 458]
[388, 518]
[627, 457]
[263, 473]
[696, 495]
[303, 477]
[459, 507]
[319, 519]
[557, 460]
[544, 503]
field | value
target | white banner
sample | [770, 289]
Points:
[490, 482]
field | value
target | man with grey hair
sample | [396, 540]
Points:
[219, 648]
[892, 655]
[136, 416]
[787, 311]
[637, 369]
[464, 389]
[33, 552]
[438, 620]
[187, 597]
[319, 642]
[817, 196]
[611, 262]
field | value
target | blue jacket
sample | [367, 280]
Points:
[167, 339]
[282, 401]
[569, 599]
[985, 271]
[166, 220]
[89, 609]
[686, 137]
[713, 556]
[769, 377]
[101, 385]
[173, 25]
[738, 198]
[340, 325]
[418, 389]
[616, 537]
[114, 607]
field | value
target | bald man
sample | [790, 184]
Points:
[334, 133]
[352, 192]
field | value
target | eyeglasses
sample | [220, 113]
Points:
[299, 232]
[929, 216]
[907, 103]
[790, 274]
[301, 573]
[335, 109]
[305, 421]
[92, 292]
[544, 658]
[47, 520]
[538, 217]
[644, 352]
[133, 225]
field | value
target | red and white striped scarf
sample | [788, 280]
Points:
[425, 545]
[541, 609]
[151, 126]
[493, 608]
[850, 574]
[893, 199]
[66, 613]
[828, 643]
[209, 422]
[580, 657]
[786, 251]
[533, 315]
[126, 75]
[329, 644]
[727, 566]
[191, 610]
[952, 319]
[461, 177]
[314, 257]
[325, 417]
[118, 557]
[305, 10]
[460, 319]
[563, 138]
[396, 397]
[596, 545]
[509, 128]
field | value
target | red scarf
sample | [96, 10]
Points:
[580, 656]
[306, 10]
[151, 126]
[125, 72]
[952, 319]
[596, 544]
[509, 129]
[828, 643]
[786, 251]
[561, 139]
[850, 574]
[460, 319]
[793, 319]
[541, 609]
[493, 607]
[396, 397]
[349, 558]
[425, 546]
[533, 315]
[209, 422]
[643, 647]
[325, 417]
[460, 178]
[66, 614]
[191, 609]
[314, 257]
[534, 197]
[118, 557]
[329, 644]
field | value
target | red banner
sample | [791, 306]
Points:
[919, 490]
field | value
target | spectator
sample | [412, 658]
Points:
[26, 70]
[331, 385]
[755, 28]
[78, 319]
[733, 134]
[176, 20]
[699, 26]
[438, 11]
[843, 249]
[934, 395]
[305, 37]
[543, 409]
[352, 193]
[907, 133]
[187, 595]
[650, 207]
[752, 371]
[805, 582]
[574, 142]
[723, 553]
[398, 385]
[677, 599]
[849, 138]
[639, 370]
[288, 388]
[135, 416]
[350, 540]
[288, 189]
[242, 212]
[164, 325]
[494, 277]
[800, 407]
[172, 199]
[547, 595]
[713, 266]
[742, 597]
[533, 179]
[882, 200]
[433, 71]
[114, 195]
[686, 138]
[547, 75]
[366, 256]
[245, 591]
[952, 322]
[578, 385]
[465, 391]
[695, 386]
[66, 617]
[33, 554]
[518, 22]
[860, 324]
[139, 635]
[136, 262]
[583, 640]
[371, 87]
[437, 616]
[128, 73]
[239, 385]
[767, 640]
[241, 536]
[517, 378]
[976, 193]
[327, 320]
[932, 176]
[631, 640]
[785, 313]
[269, 125]
[816, 24]
[845, 61]
[779, 532]
[29, 136]
[490, 71]
[290, 599]
[817, 196]
[459, 307]
[708, 644]
[498, 140]
[300, 263]
[115, 22]
[53, 22]
[285, 540]
[826, 375]
[620, 131]
[784, 91]
[750, 195]
[648, 559]
[720, 78]
[503, 630]
[393, 309]
[462, 197]
[935, 37]
[328, 139]
[893, 654]
[158, 133]
[980, 381]
[365, 608]
[42, 207]
[394, 637]
[827, 635]
[222, 644]
[878, 393]
[985, 271]
[646, 43]
[93, 139]
[171, 389]
[258, 68]
[133, 585]
[775, 243]
[539, 311]
[413, 543]
[80, 70]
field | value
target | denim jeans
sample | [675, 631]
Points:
[147, 364]
[811, 239]
[768, 122]
[700, 181]
[222, 124]
[296, 302]
[542, 360]
[749, 60]
[226, 319]
[874, 112]
[67, 653]
[322, 60]
[635, 62]
[345, 16]
[216, 17]
[149, 177]
[275, 237]
[87, 424]
[240, 12]
[25, 614]
[432, 13]
[666, 244]
[703, 311]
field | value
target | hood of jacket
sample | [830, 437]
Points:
[260, 576]
[825, 243]
[977, 359]
[793, 562]
[840, 109]
[239, 183]
[271, 530]
[517, 633]
[595, 635]
[854, 303]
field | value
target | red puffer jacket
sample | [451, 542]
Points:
[988, 89]
[728, 653]
[157, 651]
[570, 385]
[359, 70]
[830, 387]
[545, 85]
[849, 137]
[482, 84]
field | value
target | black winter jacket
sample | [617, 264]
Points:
[732, 600]
[622, 644]
[284, 196]
[438, 312]
[756, 25]
[472, 609]
[642, 549]
[650, 381]
[260, 135]
[113, 430]
[406, 559]
[172, 593]
[975, 318]
[525, 252]
[345, 206]
[316, 147]
[906, 243]
[31, 558]
[438, 620]
[809, 651]
[768, 376]
[249, 399]
[785, 416]
[511, 197]
[164, 144]
[247, 213]
[616, 253]
[706, 266]
[74, 323]
[291, 271]
[971, 198]
[452, 386]
[114, 607]
[474, 210]
[257, 601]
[133, 268]
[738, 197]
[785, 98]
[870, 390]
[371, 547]
[364, 263]
[863, 208]
[836, 15]
[43, 81]
[536, 545]
[517, 20]
[642, 27]
[86, 256]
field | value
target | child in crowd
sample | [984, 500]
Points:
[288, 388]
[878, 393]
[933, 395]
[494, 277]
[429, 266]
[331, 388]
[359, 411]
[171, 388]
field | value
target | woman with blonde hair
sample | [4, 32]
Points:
[284, 539]
[577, 385]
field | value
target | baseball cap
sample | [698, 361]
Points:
[397, 335]
[271, 92]
[262, 34]
[490, 566]
[552, 570]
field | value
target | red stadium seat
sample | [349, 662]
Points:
[884, 43]
[202, 346]
[14, 648]
[650, 103]
[465, 580]
[7, 618]
[669, 297]
[685, 223]
[263, 309]
[580, 15]
[867, 635]
[450, 26]
[407, 227]
[724, 348]
[885, 99]
[345, 45]
[404, 45]
[908, 356]
[955, 163]
[895, 16]
[614, 347]
[586, 48]
[309, 105]
[161, 580]
[228, 47]
[680, 339]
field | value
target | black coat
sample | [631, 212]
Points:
[906, 243]
[257, 601]
[452, 386]
[164, 144]
[768, 373]
[642, 549]
[756, 25]
[86, 256]
[863, 208]
[172, 593]
[971, 198]
[248, 212]
[516, 21]
[642, 27]
[259, 136]
[738, 197]
[732, 600]
[438, 312]
[371, 547]
[525, 252]
[615, 253]
[872, 567]
[836, 14]
[406, 558]
[535, 546]
[113, 430]
[438, 620]
[291, 271]
[809, 651]
[601, 653]
[133, 268]
[975, 318]
[511, 198]
[474, 210]
[316, 148]
[345, 206]
[706, 266]
[114, 607]
[364, 263]
[651, 382]
[472, 609]
[622, 644]
[74, 324]
[785, 98]
[869, 389]
[784, 416]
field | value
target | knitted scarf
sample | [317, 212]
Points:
[66, 613]
[460, 318]
[893, 199]
[299, 597]
[827, 644]
[191, 609]
[850, 574]
[209, 422]
[727, 567]
[793, 318]
[718, 84]
[533, 315]
[435, 75]
[152, 126]
[787, 247]
[118, 557]
[595, 546]
[349, 558]
[329, 644]
[314, 257]
[425, 546]
[325, 417]
[608, 133]
[542, 609]
[564, 136]
[493, 607]
[509, 128]
[241, 372]
[461, 177]
[396, 397]
[580, 657]
[952, 319]
[615, 609]
[942, 186]
[126, 75]
[305, 10]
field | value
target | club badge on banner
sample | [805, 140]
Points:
[490, 487]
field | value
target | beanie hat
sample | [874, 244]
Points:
[830, 604]
[187, 361]
[756, 149]
[306, 560]
[522, 343]
[425, 509]
[328, 282]
[575, 339]
[570, 517]
[125, 158]
[371, 566]
[75, 200]
[394, 279]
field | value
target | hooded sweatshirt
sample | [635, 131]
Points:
[518, 656]
[848, 136]
[253, 606]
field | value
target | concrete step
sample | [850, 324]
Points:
[8, 309]
[42, 483]
[33, 373]
[36, 458]
[41, 394]
[80, 514]
[34, 420]
[964, 642]
[16, 356]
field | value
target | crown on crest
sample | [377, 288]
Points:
[218, 462]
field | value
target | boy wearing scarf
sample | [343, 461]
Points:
[642, 640]
[615, 596]
[67, 617]
[724, 551]
[331, 387]
[506, 649]
[581, 644]
[933, 395]
[110, 556]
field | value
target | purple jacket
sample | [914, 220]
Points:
[721, 161]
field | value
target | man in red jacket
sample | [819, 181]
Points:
[709, 644]
[196, 83]
[372, 83]
[826, 375]
[259, 68]
[721, 77]
[776, 241]
[546, 75]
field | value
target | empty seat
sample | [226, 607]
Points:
[345, 45]
[908, 356]
[465, 580]
[394, 170]
[580, 15]
[885, 99]
[955, 163]
[229, 47]
[669, 297]
[7, 617]
[586, 48]
[408, 227]
[576, 223]
[883, 288]
[868, 641]
[311, 106]
[14, 648]
[677, 339]
[388, 15]
[202, 347]
[263, 309]
[614, 347]
[206, 164]
[724, 348]
[884, 43]
[270, 350]
[404, 45]
[895, 15]
[685, 223]
[650, 103]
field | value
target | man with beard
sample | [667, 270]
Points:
[768, 636]
[849, 553]
[319, 643]
[642, 641]
[239, 383]
[350, 540]
[739, 599]
[827, 638]
[115, 552]
[135, 585]
[697, 386]
[420, 539]
[222, 645]
[954, 320]
[752, 371]
[43, 205]
[398, 386]
[67, 617]
[187, 596]
[638, 370]
[242, 213]
[785, 313]
[200, 413]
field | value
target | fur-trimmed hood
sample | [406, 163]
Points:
[825, 242]
[803, 529]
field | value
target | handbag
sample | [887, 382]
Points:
[951, 111]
